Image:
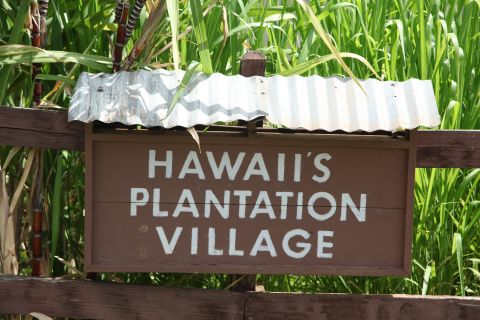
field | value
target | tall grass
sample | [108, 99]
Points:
[437, 40]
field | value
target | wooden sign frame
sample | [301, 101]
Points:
[407, 143]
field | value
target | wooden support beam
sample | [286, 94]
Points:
[352, 307]
[97, 300]
[49, 129]
[40, 128]
[448, 149]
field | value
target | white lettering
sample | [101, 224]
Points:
[297, 172]
[321, 216]
[300, 206]
[211, 198]
[242, 201]
[169, 246]
[281, 167]
[257, 160]
[265, 200]
[135, 201]
[263, 236]
[232, 239]
[321, 244]
[156, 204]
[358, 212]
[225, 164]
[152, 163]
[194, 241]
[211, 244]
[192, 157]
[324, 169]
[305, 246]
[284, 195]
[192, 207]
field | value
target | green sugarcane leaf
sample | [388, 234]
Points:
[307, 65]
[172, 8]
[201, 36]
[21, 54]
[15, 37]
[51, 77]
[327, 41]
[457, 248]
[183, 84]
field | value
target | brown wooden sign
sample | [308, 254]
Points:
[270, 203]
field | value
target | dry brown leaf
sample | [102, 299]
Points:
[8, 257]
[40, 316]
[195, 137]
[26, 172]
[10, 156]
[3, 218]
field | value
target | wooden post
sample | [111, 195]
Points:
[252, 64]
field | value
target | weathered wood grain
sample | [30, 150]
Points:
[97, 300]
[43, 120]
[352, 307]
[448, 157]
[448, 149]
[449, 139]
[49, 129]
[252, 64]
[40, 128]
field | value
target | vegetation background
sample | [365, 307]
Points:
[401, 39]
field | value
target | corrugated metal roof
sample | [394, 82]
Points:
[143, 98]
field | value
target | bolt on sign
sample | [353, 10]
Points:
[269, 203]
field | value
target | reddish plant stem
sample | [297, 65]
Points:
[37, 243]
[37, 217]
[39, 32]
[36, 42]
[43, 9]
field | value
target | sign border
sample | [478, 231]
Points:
[348, 140]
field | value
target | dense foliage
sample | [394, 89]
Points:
[401, 39]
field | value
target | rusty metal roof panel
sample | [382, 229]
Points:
[143, 98]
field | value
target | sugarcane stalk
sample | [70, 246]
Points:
[39, 37]
[36, 42]
[148, 29]
[118, 11]
[43, 9]
[120, 42]
[133, 18]
[37, 242]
